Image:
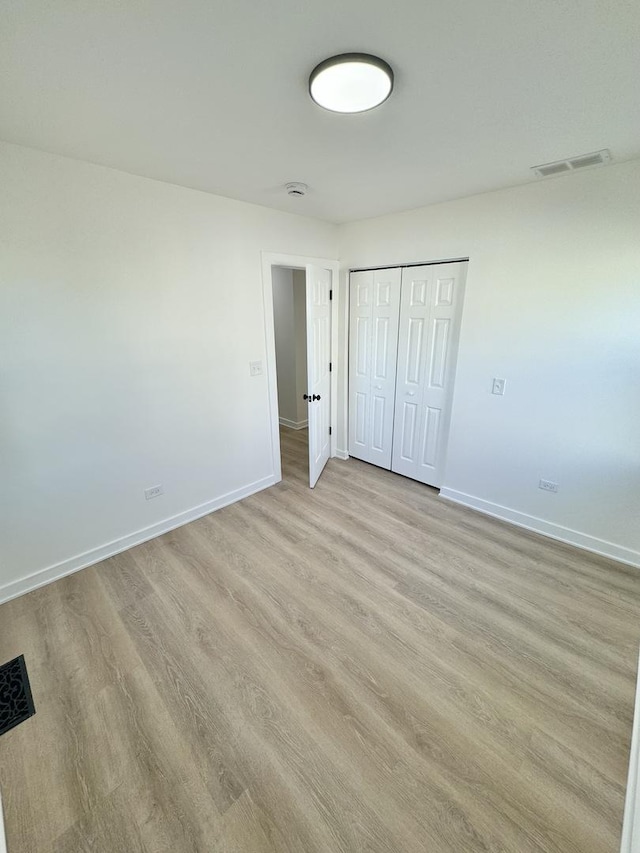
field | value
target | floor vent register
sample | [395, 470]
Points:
[16, 701]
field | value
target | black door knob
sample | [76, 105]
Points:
[306, 397]
[316, 397]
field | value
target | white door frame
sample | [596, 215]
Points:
[296, 262]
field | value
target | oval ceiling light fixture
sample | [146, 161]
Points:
[351, 83]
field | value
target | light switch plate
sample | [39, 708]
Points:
[498, 386]
[255, 368]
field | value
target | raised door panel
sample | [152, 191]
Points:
[408, 423]
[362, 340]
[384, 292]
[430, 436]
[322, 346]
[378, 422]
[383, 363]
[359, 420]
[362, 289]
[437, 361]
[414, 352]
[444, 291]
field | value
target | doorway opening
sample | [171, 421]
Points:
[290, 332]
[320, 277]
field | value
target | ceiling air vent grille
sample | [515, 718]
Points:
[596, 158]
[552, 169]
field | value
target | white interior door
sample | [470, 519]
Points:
[374, 310]
[431, 305]
[318, 370]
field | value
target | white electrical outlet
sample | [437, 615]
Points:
[153, 492]
[255, 368]
[498, 386]
[547, 486]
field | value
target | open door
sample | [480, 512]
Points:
[318, 394]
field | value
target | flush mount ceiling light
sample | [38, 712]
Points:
[351, 83]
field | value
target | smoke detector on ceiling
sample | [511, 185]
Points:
[595, 158]
[294, 188]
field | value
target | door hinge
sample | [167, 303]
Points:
[330, 367]
[330, 295]
[329, 430]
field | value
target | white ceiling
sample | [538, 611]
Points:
[212, 94]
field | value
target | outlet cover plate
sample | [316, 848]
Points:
[154, 492]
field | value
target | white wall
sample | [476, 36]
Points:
[290, 328]
[129, 312]
[552, 305]
[284, 330]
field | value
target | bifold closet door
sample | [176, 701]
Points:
[374, 297]
[428, 344]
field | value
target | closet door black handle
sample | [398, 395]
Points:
[306, 397]
[316, 397]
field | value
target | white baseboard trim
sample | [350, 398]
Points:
[285, 422]
[342, 454]
[631, 823]
[109, 549]
[546, 528]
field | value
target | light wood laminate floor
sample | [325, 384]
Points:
[362, 667]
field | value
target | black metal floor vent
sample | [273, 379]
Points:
[16, 701]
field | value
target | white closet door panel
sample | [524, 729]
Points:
[381, 349]
[431, 303]
[414, 352]
[360, 419]
[360, 322]
[412, 361]
[384, 347]
[378, 423]
[431, 420]
[408, 442]
[439, 352]
[363, 336]
[444, 292]
[373, 340]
